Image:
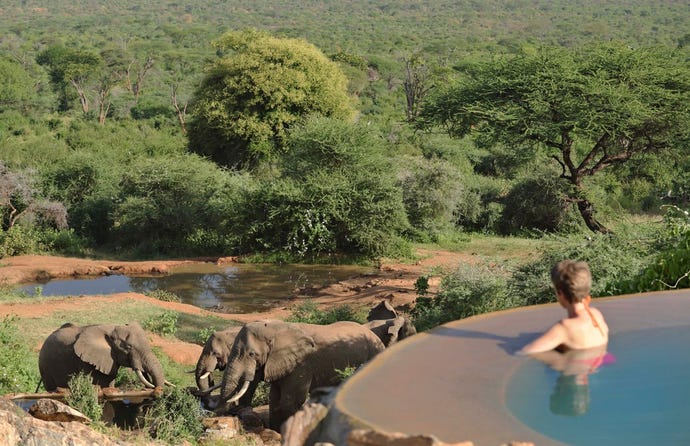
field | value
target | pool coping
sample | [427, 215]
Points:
[451, 381]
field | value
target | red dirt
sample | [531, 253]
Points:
[394, 281]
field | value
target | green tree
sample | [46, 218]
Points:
[16, 87]
[70, 68]
[588, 109]
[258, 88]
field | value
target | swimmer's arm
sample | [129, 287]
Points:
[553, 337]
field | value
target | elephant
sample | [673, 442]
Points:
[214, 356]
[384, 321]
[294, 358]
[98, 350]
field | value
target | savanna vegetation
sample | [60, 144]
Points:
[350, 130]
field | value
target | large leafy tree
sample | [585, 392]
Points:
[70, 70]
[587, 109]
[258, 88]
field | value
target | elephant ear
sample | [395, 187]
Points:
[288, 349]
[384, 310]
[92, 347]
[394, 328]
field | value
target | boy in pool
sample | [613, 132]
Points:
[584, 328]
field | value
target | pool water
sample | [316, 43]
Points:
[641, 398]
[237, 288]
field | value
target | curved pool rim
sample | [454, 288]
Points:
[451, 381]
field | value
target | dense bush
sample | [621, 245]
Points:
[163, 201]
[83, 396]
[18, 371]
[466, 292]
[432, 192]
[669, 265]
[309, 313]
[175, 417]
[536, 202]
[336, 195]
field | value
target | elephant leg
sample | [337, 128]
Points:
[292, 394]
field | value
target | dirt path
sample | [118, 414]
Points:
[394, 282]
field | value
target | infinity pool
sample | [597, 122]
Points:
[463, 382]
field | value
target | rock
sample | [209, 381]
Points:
[362, 437]
[50, 410]
[220, 429]
[19, 428]
[251, 421]
[270, 437]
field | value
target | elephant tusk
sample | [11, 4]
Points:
[205, 375]
[143, 380]
[170, 384]
[239, 394]
[208, 391]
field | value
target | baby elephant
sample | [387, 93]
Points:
[99, 350]
[384, 321]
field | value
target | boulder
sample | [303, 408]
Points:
[51, 410]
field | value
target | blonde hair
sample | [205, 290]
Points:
[573, 279]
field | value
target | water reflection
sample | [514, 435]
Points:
[571, 395]
[236, 288]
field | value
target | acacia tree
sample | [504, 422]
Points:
[258, 88]
[68, 67]
[588, 109]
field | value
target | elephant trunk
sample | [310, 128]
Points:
[204, 367]
[149, 371]
[236, 380]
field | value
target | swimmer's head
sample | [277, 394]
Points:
[573, 279]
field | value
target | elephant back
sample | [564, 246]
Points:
[340, 346]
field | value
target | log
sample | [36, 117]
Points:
[104, 394]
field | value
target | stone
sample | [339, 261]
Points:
[221, 428]
[363, 437]
[251, 421]
[19, 428]
[51, 410]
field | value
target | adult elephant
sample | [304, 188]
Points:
[99, 350]
[295, 359]
[384, 321]
[214, 356]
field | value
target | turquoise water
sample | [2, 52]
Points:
[237, 288]
[643, 398]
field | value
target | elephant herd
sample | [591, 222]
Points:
[295, 358]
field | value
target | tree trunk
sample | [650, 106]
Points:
[587, 212]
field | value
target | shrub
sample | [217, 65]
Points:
[83, 396]
[163, 295]
[164, 324]
[466, 292]
[536, 202]
[18, 371]
[175, 417]
[432, 191]
[309, 313]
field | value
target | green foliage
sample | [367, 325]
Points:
[164, 324]
[175, 417]
[17, 86]
[588, 108]
[18, 371]
[162, 201]
[259, 88]
[164, 295]
[466, 292]
[309, 313]
[336, 196]
[421, 286]
[83, 396]
[669, 267]
[20, 240]
[432, 191]
[204, 333]
[345, 373]
[537, 201]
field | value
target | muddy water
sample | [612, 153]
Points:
[236, 288]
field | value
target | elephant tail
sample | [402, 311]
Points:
[38, 386]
